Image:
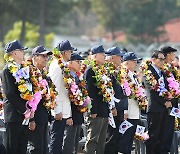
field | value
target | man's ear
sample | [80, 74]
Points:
[14, 53]
[63, 53]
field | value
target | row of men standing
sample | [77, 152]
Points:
[66, 113]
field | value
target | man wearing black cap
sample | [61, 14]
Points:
[158, 105]
[72, 133]
[114, 56]
[38, 126]
[169, 54]
[14, 106]
[98, 119]
[62, 111]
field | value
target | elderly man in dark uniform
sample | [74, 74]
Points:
[158, 105]
[114, 57]
[98, 119]
[14, 106]
[72, 133]
[38, 126]
[169, 54]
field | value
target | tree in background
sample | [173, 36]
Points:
[110, 14]
[144, 18]
[31, 36]
[45, 13]
[141, 20]
[6, 19]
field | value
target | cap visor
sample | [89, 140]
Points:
[121, 54]
[24, 48]
[81, 59]
[45, 52]
[74, 49]
[77, 59]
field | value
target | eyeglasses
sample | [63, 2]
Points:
[161, 59]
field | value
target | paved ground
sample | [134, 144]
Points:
[133, 151]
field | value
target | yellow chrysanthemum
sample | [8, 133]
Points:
[22, 88]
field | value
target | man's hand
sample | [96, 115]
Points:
[168, 104]
[58, 116]
[69, 122]
[32, 125]
[114, 112]
[31, 115]
[93, 116]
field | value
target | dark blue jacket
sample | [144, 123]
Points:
[119, 94]
[77, 116]
[98, 106]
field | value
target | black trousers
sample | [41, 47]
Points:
[15, 139]
[168, 135]
[56, 136]
[126, 142]
[156, 130]
[38, 139]
[111, 146]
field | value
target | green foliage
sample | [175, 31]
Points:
[136, 17]
[31, 36]
[145, 17]
[140, 19]
[49, 40]
[109, 13]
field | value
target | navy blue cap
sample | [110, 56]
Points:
[40, 50]
[114, 51]
[65, 45]
[131, 56]
[75, 56]
[97, 49]
[168, 49]
[14, 45]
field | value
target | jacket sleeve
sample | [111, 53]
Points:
[92, 90]
[11, 92]
[55, 74]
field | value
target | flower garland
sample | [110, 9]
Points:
[1, 98]
[84, 65]
[103, 82]
[120, 76]
[111, 69]
[177, 124]
[42, 82]
[173, 84]
[50, 96]
[155, 85]
[23, 81]
[144, 137]
[175, 71]
[133, 90]
[77, 92]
